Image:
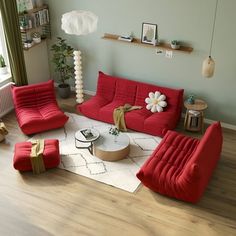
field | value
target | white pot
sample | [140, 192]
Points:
[3, 70]
[174, 46]
[37, 40]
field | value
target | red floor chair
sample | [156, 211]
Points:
[36, 108]
[181, 166]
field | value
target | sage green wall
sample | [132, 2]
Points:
[187, 20]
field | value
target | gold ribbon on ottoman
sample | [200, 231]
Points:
[119, 115]
[3, 129]
[36, 156]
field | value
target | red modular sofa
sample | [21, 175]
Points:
[113, 92]
[36, 108]
[51, 157]
[181, 166]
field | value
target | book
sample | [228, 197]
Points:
[127, 39]
[87, 134]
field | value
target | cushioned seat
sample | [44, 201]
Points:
[113, 92]
[51, 157]
[135, 120]
[36, 108]
[181, 166]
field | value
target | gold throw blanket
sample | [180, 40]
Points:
[36, 156]
[3, 129]
[119, 115]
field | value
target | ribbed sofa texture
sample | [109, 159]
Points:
[181, 166]
[51, 156]
[36, 108]
[113, 92]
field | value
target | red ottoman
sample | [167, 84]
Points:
[51, 155]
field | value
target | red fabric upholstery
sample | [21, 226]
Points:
[113, 92]
[36, 108]
[181, 167]
[51, 155]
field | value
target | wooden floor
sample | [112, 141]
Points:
[62, 203]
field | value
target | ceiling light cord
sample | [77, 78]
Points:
[213, 29]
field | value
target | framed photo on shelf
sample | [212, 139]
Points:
[149, 33]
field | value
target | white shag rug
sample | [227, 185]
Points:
[120, 174]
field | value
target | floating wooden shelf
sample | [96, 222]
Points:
[38, 20]
[137, 41]
[33, 28]
[36, 9]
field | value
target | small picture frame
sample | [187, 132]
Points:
[149, 33]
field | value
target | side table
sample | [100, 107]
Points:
[194, 117]
[84, 138]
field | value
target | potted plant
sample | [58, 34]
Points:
[63, 53]
[175, 44]
[115, 132]
[3, 67]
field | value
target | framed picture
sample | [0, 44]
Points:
[149, 33]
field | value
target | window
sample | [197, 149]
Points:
[3, 51]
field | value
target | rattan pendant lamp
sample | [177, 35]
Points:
[208, 66]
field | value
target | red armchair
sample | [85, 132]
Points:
[181, 166]
[36, 108]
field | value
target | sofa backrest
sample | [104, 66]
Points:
[106, 86]
[207, 154]
[34, 95]
[125, 91]
[174, 97]
[134, 92]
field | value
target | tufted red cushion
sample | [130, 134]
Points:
[36, 108]
[181, 166]
[51, 155]
[113, 92]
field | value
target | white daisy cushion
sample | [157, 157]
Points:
[156, 102]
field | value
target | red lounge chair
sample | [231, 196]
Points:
[36, 108]
[181, 166]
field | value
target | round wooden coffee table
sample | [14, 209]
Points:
[107, 149]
